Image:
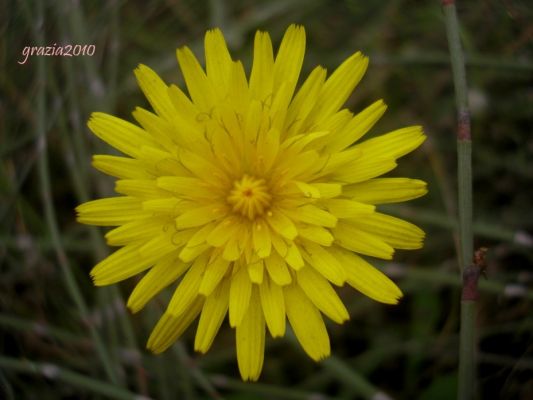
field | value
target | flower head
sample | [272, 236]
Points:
[254, 197]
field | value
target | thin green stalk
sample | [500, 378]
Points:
[54, 372]
[49, 210]
[467, 346]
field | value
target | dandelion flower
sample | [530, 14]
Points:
[253, 198]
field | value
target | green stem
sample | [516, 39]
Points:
[464, 154]
[467, 346]
[53, 372]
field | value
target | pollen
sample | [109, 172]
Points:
[250, 197]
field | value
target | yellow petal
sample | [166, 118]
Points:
[386, 190]
[344, 208]
[255, 272]
[171, 327]
[300, 166]
[213, 313]
[157, 247]
[155, 91]
[273, 305]
[120, 134]
[277, 269]
[199, 216]
[332, 124]
[340, 85]
[289, 58]
[199, 165]
[190, 253]
[217, 60]
[183, 106]
[239, 296]
[304, 101]
[187, 290]
[200, 88]
[280, 103]
[396, 232]
[261, 239]
[199, 237]
[185, 187]
[311, 214]
[333, 163]
[307, 323]
[316, 234]
[261, 78]
[294, 257]
[238, 93]
[357, 127]
[144, 189]
[141, 229]
[160, 276]
[120, 167]
[250, 340]
[281, 224]
[350, 237]
[232, 250]
[320, 292]
[160, 162]
[328, 190]
[279, 245]
[325, 263]
[214, 272]
[120, 265]
[160, 129]
[394, 144]
[111, 211]
[364, 168]
[225, 229]
[307, 190]
[169, 206]
[367, 279]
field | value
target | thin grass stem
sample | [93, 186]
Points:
[467, 335]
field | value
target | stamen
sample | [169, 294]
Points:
[249, 197]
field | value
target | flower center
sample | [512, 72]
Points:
[249, 197]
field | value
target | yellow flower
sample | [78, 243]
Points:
[252, 195]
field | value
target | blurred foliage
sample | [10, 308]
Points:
[408, 351]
